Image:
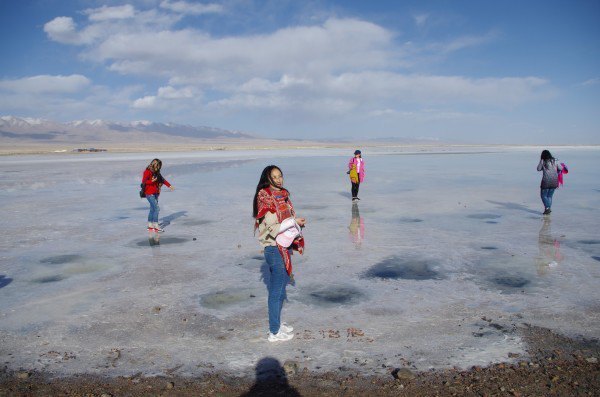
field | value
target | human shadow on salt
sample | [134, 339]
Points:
[410, 220]
[60, 259]
[404, 268]
[196, 222]
[331, 295]
[271, 380]
[345, 194]
[312, 207]
[163, 241]
[589, 242]
[596, 258]
[587, 245]
[484, 216]
[514, 206]
[166, 220]
[4, 281]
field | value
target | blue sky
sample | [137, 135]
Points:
[514, 72]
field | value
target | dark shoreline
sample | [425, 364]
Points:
[555, 365]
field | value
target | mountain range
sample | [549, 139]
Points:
[19, 129]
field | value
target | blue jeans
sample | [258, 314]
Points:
[546, 195]
[154, 208]
[277, 283]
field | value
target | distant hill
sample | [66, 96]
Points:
[17, 130]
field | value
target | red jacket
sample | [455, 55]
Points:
[152, 187]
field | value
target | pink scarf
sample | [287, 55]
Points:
[278, 202]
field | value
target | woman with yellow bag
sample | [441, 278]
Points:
[356, 170]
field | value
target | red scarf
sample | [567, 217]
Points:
[278, 202]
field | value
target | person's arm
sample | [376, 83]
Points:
[558, 167]
[167, 184]
[147, 177]
[540, 165]
[271, 224]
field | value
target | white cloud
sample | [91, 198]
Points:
[590, 82]
[63, 30]
[199, 58]
[46, 84]
[420, 19]
[164, 95]
[105, 13]
[184, 7]
[346, 68]
[466, 42]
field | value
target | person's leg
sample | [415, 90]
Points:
[276, 287]
[354, 190]
[549, 197]
[156, 211]
[153, 213]
[357, 186]
[543, 195]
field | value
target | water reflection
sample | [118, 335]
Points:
[549, 255]
[153, 239]
[357, 227]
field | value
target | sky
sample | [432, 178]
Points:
[509, 72]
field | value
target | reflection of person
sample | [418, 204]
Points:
[357, 227]
[356, 170]
[271, 380]
[549, 248]
[271, 207]
[549, 183]
[152, 181]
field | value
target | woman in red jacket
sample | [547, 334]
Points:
[153, 181]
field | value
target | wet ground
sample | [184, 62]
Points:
[407, 277]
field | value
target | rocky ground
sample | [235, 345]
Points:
[555, 366]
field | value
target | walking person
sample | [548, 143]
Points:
[550, 170]
[356, 169]
[152, 181]
[279, 231]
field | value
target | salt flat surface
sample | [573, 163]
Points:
[442, 258]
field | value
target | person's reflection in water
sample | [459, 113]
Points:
[271, 380]
[357, 227]
[153, 239]
[549, 249]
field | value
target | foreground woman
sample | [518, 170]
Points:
[279, 230]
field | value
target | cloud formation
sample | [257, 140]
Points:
[184, 7]
[333, 66]
[45, 84]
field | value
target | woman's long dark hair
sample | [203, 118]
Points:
[264, 182]
[546, 155]
[151, 165]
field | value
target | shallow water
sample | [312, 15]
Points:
[408, 271]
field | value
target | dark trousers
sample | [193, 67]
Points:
[355, 187]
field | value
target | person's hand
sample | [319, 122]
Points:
[301, 222]
[172, 187]
[153, 179]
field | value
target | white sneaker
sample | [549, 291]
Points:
[288, 329]
[280, 336]
[157, 228]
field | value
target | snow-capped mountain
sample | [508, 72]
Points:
[40, 129]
